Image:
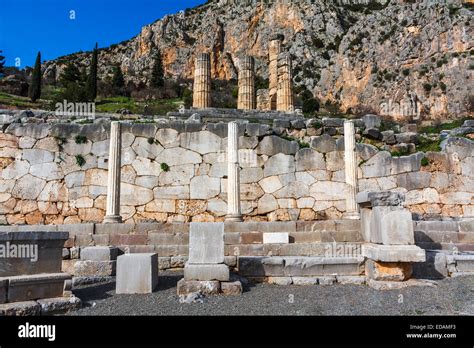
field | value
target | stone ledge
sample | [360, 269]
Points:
[33, 287]
[48, 306]
[256, 266]
[394, 253]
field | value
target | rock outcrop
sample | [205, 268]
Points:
[397, 58]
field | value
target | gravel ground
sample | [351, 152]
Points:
[449, 297]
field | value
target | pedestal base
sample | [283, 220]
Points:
[351, 216]
[112, 219]
[233, 218]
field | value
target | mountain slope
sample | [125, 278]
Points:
[361, 57]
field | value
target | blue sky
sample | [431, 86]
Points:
[29, 26]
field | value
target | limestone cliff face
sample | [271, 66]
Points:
[396, 58]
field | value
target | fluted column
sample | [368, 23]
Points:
[274, 49]
[233, 175]
[285, 98]
[246, 100]
[113, 182]
[202, 82]
[350, 161]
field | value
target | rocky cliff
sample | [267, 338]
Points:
[401, 58]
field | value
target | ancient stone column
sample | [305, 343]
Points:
[285, 99]
[274, 49]
[246, 100]
[113, 182]
[233, 175]
[350, 161]
[202, 81]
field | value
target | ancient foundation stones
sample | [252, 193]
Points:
[137, 273]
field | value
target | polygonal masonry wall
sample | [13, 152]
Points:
[57, 174]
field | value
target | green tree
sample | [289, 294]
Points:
[34, 92]
[117, 78]
[70, 74]
[157, 72]
[91, 83]
[73, 81]
[2, 63]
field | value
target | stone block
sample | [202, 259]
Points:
[178, 261]
[41, 252]
[466, 226]
[206, 243]
[353, 280]
[388, 271]
[290, 266]
[34, 287]
[99, 254]
[325, 143]
[273, 145]
[251, 238]
[3, 290]
[20, 309]
[378, 165]
[304, 281]
[206, 272]
[230, 261]
[276, 238]
[137, 273]
[371, 121]
[394, 253]
[464, 262]
[231, 288]
[164, 263]
[280, 280]
[379, 199]
[391, 226]
[59, 305]
[128, 239]
[114, 228]
[94, 268]
[186, 287]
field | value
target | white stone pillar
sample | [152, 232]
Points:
[350, 159]
[233, 175]
[113, 182]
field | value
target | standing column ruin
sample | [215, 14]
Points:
[113, 182]
[285, 99]
[274, 50]
[202, 81]
[233, 175]
[246, 100]
[350, 161]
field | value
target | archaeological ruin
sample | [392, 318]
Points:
[259, 192]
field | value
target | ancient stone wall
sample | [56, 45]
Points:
[177, 172]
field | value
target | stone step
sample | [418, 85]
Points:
[34, 287]
[299, 249]
[462, 262]
[300, 266]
